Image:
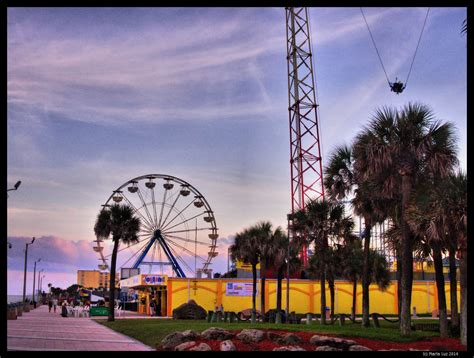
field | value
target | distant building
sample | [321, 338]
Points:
[95, 279]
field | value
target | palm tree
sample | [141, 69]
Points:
[352, 260]
[118, 221]
[320, 220]
[341, 181]
[266, 239]
[280, 264]
[393, 152]
[246, 248]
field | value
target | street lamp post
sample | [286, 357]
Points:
[24, 276]
[34, 276]
[15, 187]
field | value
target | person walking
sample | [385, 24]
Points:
[55, 304]
[50, 304]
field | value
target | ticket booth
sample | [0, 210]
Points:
[148, 288]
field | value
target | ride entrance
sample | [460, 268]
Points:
[178, 235]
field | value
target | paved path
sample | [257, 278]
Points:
[39, 330]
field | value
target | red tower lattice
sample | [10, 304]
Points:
[305, 152]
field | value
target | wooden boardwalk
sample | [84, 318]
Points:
[40, 330]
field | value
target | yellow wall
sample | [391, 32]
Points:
[304, 296]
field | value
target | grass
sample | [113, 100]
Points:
[151, 332]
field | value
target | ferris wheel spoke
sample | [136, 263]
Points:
[178, 214]
[153, 203]
[169, 211]
[181, 260]
[182, 222]
[162, 207]
[129, 246]
[186, 249]
[187, 230]
[136, 253]
[146, 223]
[187, 240]
[145, 206]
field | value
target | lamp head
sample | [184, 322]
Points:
[32, 241]
[17, 185]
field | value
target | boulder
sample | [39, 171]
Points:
[274, 337]
[251, 335]
[190, 310]
[184, 346]
[327, 348]
[173, 339]
[218, 334]
[289, 348]
[343, 343]
[201, 347]
[290, 339]
[321, 340]
[190, 334]
[357, 347]
[227, 346]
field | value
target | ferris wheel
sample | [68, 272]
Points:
[178, 234]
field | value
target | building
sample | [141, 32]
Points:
[95, 279]
[235, 294]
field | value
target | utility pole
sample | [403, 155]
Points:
[37, 294]
[24, 276]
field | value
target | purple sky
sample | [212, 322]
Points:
[99, 96]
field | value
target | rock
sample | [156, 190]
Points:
[218, 334]
[290, 338]
[174, 339]
[327, 348]
[274, 337]
[190, 310]
[184, 346]
[343, 343]
[190, 334]
[227, 346]
[321, 340]
[289, 348]
[201, 347]
[251, 335]
[357, 347]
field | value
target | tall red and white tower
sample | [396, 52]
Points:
[305, 152]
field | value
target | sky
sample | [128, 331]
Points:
[98, 96]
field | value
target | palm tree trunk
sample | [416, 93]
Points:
[262, 288]
[365, 275]
[323, 281]
[331, 291]
[113, 263]
[407, 260]
[443, 317]
[254, 291]
[354, 299]
[453, 283]
[463, 282]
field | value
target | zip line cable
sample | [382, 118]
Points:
[423, 28]
[376, 49]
